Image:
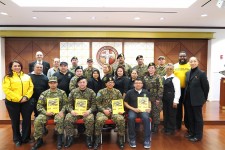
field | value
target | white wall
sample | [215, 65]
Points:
[2, 65]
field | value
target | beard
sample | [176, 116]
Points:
[182, 62]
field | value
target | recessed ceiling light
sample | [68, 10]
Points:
[3, 13]
[137, 18]
[161, 19]
[93, 18]
[68, 18]
[34, 17]
[108, 3]
[204, 15]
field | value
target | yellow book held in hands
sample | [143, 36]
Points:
[117, 106]
[53, 105]
[143, 104]
[80, 106]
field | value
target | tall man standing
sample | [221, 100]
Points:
[39, 59]
[180, 70]
[74, 61]
[161, 66]
[88, 71]
[121, 62]
[141, 68]
[55, 67]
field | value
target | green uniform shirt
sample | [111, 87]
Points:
[142, 70]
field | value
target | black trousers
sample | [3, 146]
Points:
[169, 115]
[195, 118]
[179, 115]
[14, 110]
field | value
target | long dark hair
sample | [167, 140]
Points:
[95, 70]
[10, 72]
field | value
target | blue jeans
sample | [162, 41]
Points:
[131, 124]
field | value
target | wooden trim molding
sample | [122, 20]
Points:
[107, 34]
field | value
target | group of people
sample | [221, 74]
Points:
[166, 86]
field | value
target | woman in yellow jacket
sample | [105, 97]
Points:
[18, 89]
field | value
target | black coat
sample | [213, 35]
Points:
[45, 64]
[197, 87]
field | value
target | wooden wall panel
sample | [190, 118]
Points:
[24, 49]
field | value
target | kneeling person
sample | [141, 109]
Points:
[53, 96]
[104, 102]
[131, 102]
[84, 94]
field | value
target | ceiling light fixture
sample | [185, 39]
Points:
[204, 15]
[107, 3]
[3, 13]
[68, 18]
[137, 18]
[93, 18]
[161, 19]
[34, 17]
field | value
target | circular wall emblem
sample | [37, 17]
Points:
[106, 54]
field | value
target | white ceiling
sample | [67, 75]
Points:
[46, 16]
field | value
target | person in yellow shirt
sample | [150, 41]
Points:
[180, 70]
[18, 88]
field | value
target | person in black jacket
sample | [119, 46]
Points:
[95, 83]
[40, 82]
[121, 80]
[196, 94]
[39, 56]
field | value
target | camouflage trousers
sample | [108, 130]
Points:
[155, 112]
[88, 123]
[40, 122]
[118, 119]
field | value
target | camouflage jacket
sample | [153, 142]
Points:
[142, 70]
[161, 70]
[105, 96]
[87, 94]
[88, 72]
[126, 66]
[73, 83]
[154, 84]
[42, 101]
[72, 69]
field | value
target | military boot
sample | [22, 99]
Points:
[155, 128]
[59, 141]
[97, 141]
[69, 141]
[38, 144]
[121, 142]
[89, 141]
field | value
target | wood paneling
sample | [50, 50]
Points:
[24, 49]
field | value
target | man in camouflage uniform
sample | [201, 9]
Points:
[141, 67]
[44, 114]
[82, 92]
[154, 84]
[161, 66]
[88, 71]
[74, 61]
[73, 81]
[104, 104]
[121, 62]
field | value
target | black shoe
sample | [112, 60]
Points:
[121, 142]
[28, 140]
[38, 144]
[97, 141]
[188, 135]
[59, 141]
[194, 139]
[155, 128]
[89, 141]
[18, 143]
[69, 141]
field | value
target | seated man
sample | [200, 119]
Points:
[56, 97]
[84, 93]
[103, 100]
[131, 102]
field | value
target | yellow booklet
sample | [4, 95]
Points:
[117, 106]
[80, 106]
[143, 104]
[53, 105]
